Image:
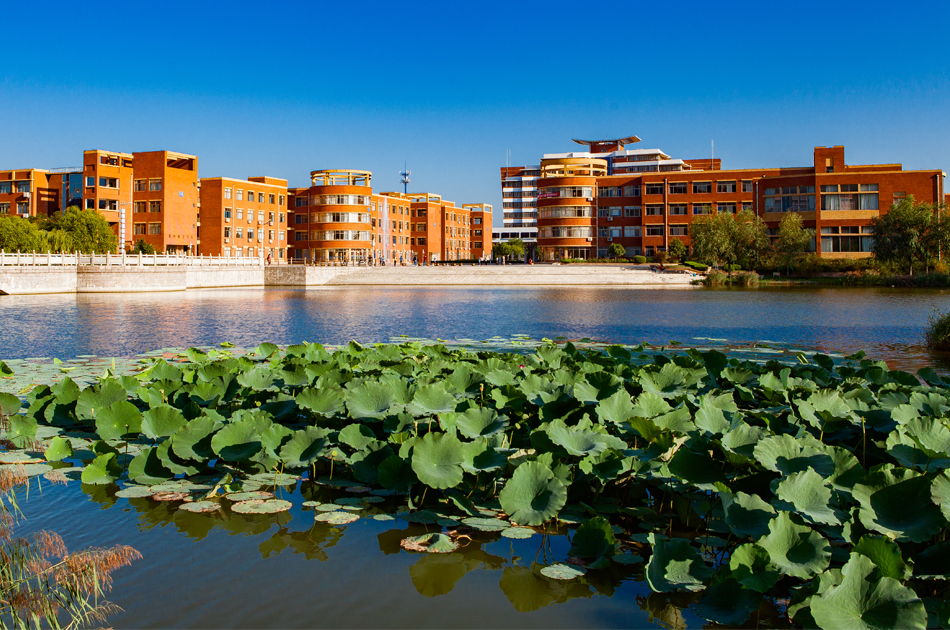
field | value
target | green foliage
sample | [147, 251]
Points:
[725, 239]
[938, 331]
[513, 249]
[695, 265]
[19, 234]
[677, 250]
[141, 247]
[88, 231]
[639, 259]
[793, 239]
[616, 250]
[910, 234]
[826, 481]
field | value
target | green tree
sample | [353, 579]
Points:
[18, 234]
[713, 236]
[750, 239]
[88, 231]
[141, 247]
[910, 234]
[793, 239]
[677, 250]
[517, 248]
[501, 249]
[617, 250]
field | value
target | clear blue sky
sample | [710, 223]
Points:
[285, 88]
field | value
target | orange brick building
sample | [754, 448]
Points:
[643, 199]
[30, 192]
[244, 218]
[481, 229]
[340, 219]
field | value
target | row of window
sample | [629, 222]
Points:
[21, 187]
[636, 231]
[239, 196]
[239, 233]
[675, 188]
[261, 215]
[22, 207]
[656, 209]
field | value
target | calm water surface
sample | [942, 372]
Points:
[230, 570]
[887, 323]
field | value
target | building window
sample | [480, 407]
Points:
[281, 201]
[631, 211]
[654, 210]
[280, 235]
[238, 213]
[300, 202]
[729, 208]
[5, 188]
[280, 217]
[22, 187]
[678, 208]
[300, 219]
[239, 194]
[846, 238]
[678, 188]
[631, 191]
[609, 191]
[108, 182]
[23, 207]
[239, 232]
[699, 208]
[702, 187]
[300, 236]
[615, 232]
[747, 206]
[227, 214]
[654, 189]
[155, 229]
[654, 230]
[631, 231]
[227, 232]
[747, 185]
[270, 198]
[90, 182]
[866, 197]
[90, 204]
[139, 206]
[227, 193]
[108, 204]
[138, 229]
[726, 187]
[154, 206]
[4, 208]
[139, 185]
[260, 197]
[678, 230]
[155, 184]
[270, 235]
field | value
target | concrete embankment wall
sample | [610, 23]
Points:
[213, 277]
[303, 276]
[511, 275]
[32, 280]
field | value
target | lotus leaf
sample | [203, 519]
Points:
[862, 602]
[58, 449]
[93, 399]
[193, 440]
[247, 496]
[795, 549]
[429, 543]
[477, 422]
[369, 400]
[326, 401]
[518, 533]
[897, 502]
[807, 492]
[146, 467]
[533, 495]
[9, 404]
[675, 566]
[431, 400]
[238, 441]
[627, 558]
[437, 460]
[161, 421]
[173, 463]
[486, 524]
[728, 603]
[784, 454]
[563, 571]
[593, 539]
[357, 436]
[102, 470]
[933, 562]
[336, 518]
[261, 506]
[747, 514]
[576, 441]
[396, 474]
[135, 492]
[304, 448]
[886, 556]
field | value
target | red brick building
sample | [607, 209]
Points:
[643, 199]
[244, 217]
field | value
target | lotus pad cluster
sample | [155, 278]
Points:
[822, 485]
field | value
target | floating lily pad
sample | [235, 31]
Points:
[261, 506]
[19, 457]
[429, 543]
[336, 518]
[627, 558]
[383, 517]
[518, 532]
[358, 489]
[248, 496]
[486, 524]
[134, 492]
[200, 506]
[563, 571]
[171, 496]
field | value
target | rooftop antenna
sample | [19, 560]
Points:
[405, 178]
[712, 144]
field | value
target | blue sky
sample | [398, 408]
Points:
[285, 88]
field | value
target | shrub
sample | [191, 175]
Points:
[639, 259]
[660, 258]
[938, 331]
[731, 268]
[716, 278]
[746, 279]
[695, 265]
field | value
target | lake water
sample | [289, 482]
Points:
[887, 323]
[232, 570]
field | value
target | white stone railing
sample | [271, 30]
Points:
[51, 259]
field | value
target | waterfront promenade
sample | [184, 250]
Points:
[27, 274]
